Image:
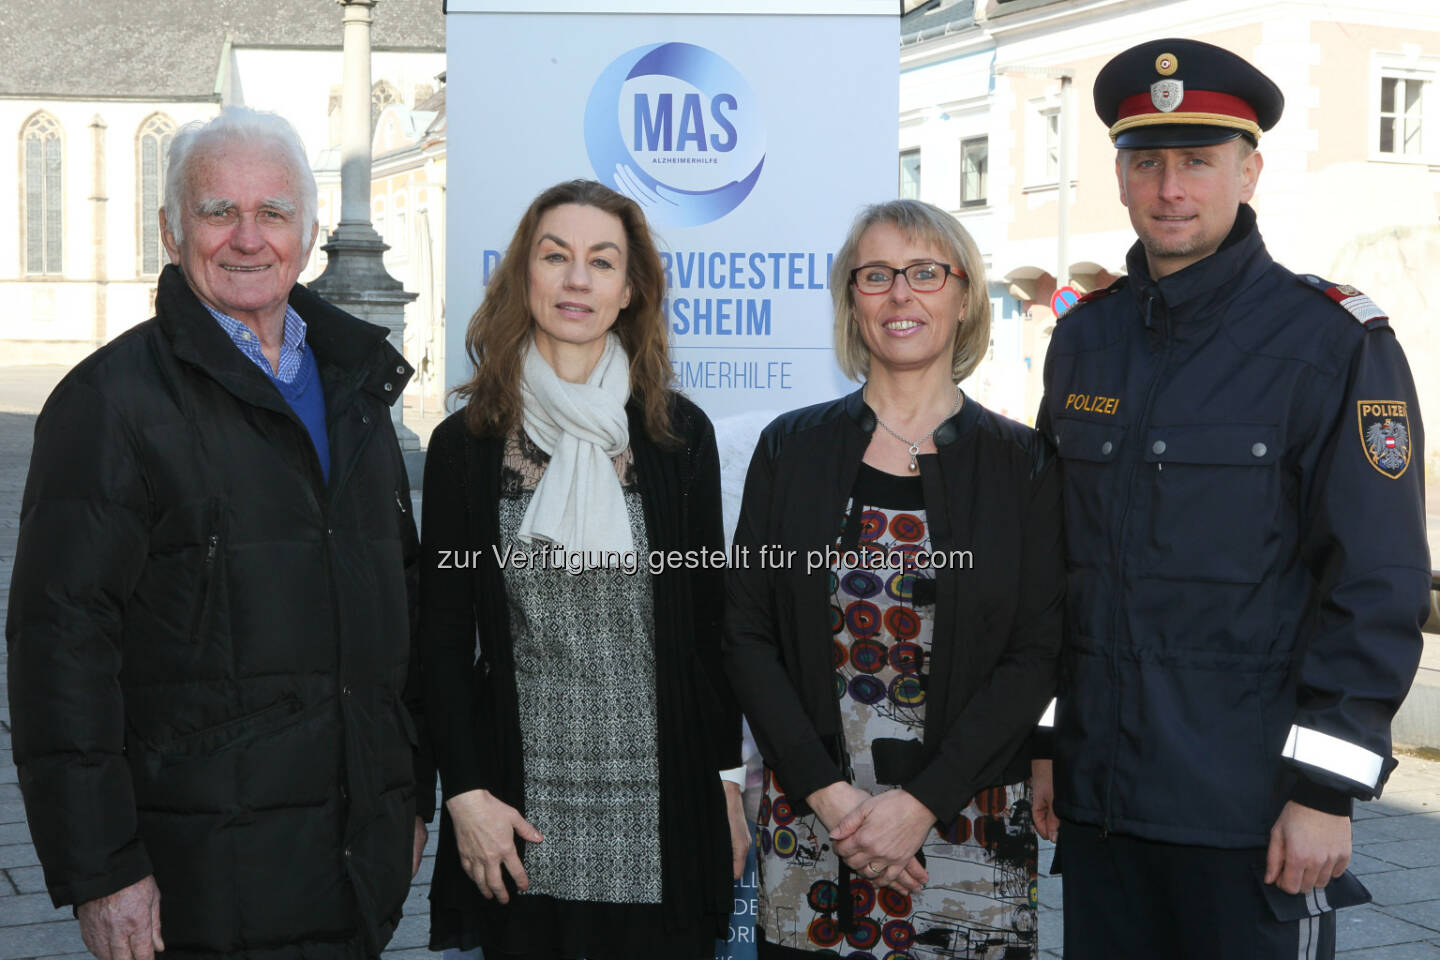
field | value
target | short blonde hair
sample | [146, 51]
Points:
[921, 223]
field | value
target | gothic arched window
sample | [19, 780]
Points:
[382, 94]
[41, 226]
[152, 148]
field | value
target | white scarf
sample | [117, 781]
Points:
[578, 503]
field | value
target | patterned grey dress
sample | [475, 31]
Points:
[585, 679]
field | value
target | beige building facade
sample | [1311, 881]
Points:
[92, 94]
[1350, 189]
[1351, 183]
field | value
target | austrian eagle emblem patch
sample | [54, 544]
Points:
[1385, 435]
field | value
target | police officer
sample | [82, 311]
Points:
[1247, 561]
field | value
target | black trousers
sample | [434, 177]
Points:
[1132, 899]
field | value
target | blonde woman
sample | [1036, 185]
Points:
[893, 671]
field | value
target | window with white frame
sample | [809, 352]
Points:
[41, 226]
[1042, 142]
[910, 174]
[153, 146]
[974, 166]
[1050, 124]
[1404, 106]
[1402, 115]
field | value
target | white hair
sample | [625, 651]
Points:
[238, 125]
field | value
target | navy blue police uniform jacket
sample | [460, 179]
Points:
[1247, 563]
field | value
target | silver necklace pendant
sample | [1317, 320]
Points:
[914, 445]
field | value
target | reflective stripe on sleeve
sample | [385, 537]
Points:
[1333, 754]
[1048, 719]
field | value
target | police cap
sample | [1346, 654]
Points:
[1184, 93]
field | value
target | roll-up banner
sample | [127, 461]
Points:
[749, 131]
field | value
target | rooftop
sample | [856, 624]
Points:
[934, 19]
[170, 49]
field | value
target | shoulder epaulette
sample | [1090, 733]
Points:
[1357, 304]
[1094, 295]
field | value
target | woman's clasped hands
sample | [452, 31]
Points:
[485, 832]
[877, 836]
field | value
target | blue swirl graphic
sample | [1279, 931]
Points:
[616, 166]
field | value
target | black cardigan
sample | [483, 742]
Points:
[475, 722]
[992, 489]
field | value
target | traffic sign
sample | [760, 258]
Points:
[1063, 299]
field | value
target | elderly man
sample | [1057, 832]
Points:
[1246, 548]
[211, 608]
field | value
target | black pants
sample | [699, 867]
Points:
[1132, 899]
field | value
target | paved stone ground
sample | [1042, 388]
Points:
[1397, 838]
[1397, 856]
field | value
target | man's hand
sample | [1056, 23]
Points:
[485, 830]
[421, 835]
[739, 828]
[1042, 806]
[1308, 848]
[124, 925]
[879, 839]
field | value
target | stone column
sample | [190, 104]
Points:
[355, 278]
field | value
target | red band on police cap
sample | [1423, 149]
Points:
[1194, 101]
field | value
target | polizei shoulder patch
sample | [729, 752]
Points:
[1354, 302]
[1385, 435]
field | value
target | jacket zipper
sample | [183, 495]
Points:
[1122, 554]
[207, 573]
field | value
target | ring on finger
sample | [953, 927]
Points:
[873, 869]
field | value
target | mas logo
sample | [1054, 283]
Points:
[677, 129]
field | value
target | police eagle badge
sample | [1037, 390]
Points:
[1385, 434]
[1167, 94]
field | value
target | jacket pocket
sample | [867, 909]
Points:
[1089, 455]
[229, 734]
[209, 564]
[1216, 493]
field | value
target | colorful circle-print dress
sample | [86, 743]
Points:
[980, 901]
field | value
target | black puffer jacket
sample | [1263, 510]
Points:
[208, 647]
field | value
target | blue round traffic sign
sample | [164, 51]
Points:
[1063, 299]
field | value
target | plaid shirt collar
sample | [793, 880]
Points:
[292, 346]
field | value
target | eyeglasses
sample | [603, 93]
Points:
[924, 277]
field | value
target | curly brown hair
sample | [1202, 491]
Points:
[499, 330]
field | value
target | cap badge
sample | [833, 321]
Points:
[1166, 64]
[1167, 94]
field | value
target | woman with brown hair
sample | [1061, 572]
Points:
[893, 678]
[581, 746]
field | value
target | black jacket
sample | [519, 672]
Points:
[992, 489]
[1246, 585]
[471, 699]
[208, 645]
